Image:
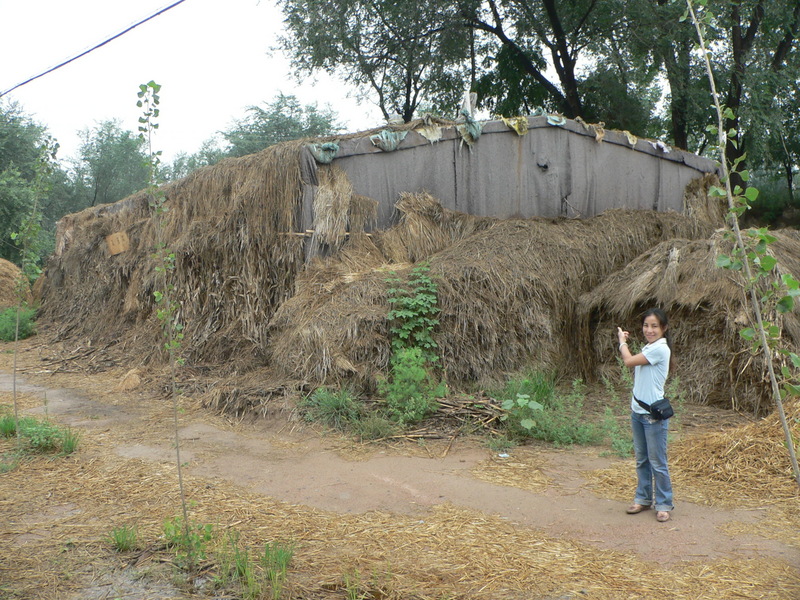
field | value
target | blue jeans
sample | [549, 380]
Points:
[650, 447]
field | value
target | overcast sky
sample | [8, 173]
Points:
[211, 58]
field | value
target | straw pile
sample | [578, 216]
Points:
[233, 262]
[707, 308]
[255, 293]
[507, 290]
[10, 277]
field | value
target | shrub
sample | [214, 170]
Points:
[8, 323]
[410, 391]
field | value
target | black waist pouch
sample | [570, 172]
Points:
[659, 410]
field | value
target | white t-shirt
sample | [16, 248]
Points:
[648, 380]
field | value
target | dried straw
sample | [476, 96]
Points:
[10, 278]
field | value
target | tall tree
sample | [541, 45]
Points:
[408, 53]
[111, 163]
[281, 120]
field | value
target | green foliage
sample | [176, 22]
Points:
[620, 439]
[335, 408]
[535, 410]
[256, 579]
[374, 426]
[123, 538]
[521, 414]
[8, 323]
[111, 164]
[405, 52]
[39, 436]
[70, 440]
[276, 560]
[410, 391]
[414, 312]
[281, 120]
[189, 540]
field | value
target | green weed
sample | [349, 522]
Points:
[534, 410]
[276, 560]
[8, 323]
[123, 538]
[410, 391]
[337, 409]
[69, 441]
[189, 542]
[374, 427]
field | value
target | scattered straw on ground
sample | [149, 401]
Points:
[60, 512]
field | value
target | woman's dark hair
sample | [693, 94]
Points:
[664, 322]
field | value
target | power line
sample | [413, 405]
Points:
[85, 52]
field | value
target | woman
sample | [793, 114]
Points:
[651, 367]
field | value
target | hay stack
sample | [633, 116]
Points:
[707, 309]
[10, 277]
[507, 290]
[231, 228]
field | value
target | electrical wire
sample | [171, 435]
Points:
[85, 52]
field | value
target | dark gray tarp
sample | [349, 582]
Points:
[551, 171]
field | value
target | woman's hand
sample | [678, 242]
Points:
[622, 335]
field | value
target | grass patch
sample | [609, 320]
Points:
[40, 436]
[123, 538]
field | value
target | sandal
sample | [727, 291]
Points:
[662, 516]
[635, 509]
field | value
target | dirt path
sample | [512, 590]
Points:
[296, 465]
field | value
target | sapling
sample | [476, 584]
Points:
[165, 264]
[753, 256]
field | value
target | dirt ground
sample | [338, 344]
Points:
[439, 519]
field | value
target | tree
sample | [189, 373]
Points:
[408, 53]
[281, 120]
[111, 164]
[21, 148]
[210, 153]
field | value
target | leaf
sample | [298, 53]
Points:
[528, 423]
[748, 333]
[768, 262]
[785, 305]
[751, 194]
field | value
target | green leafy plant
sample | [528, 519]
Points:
[123, 538]
[188, 540]
[10, 330]
[620, 438]
[167, 307]
[520, 414]
[410, 390]
[534, 410]
[38, 436]
[414, 312]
